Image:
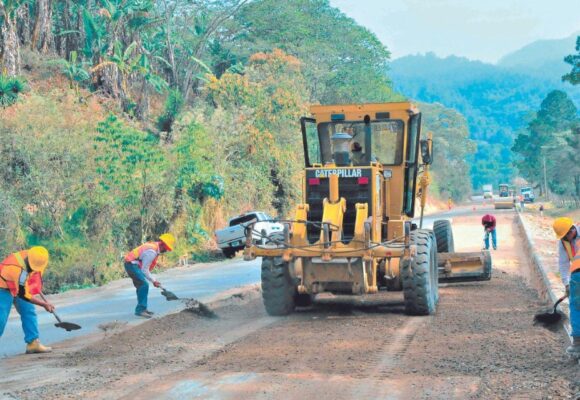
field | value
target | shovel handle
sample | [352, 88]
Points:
[53, 313]
[561, 299]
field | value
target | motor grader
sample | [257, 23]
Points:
[352, 239]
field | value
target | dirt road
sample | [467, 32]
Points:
[481, 344]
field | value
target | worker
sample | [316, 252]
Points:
[358, 157]
[569, 265]
[139, 263]
[488, 222]
[542, 210]
[20, 281]
[449, 203]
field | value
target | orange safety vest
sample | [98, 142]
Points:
[136, 253]
[573, 254]
[32, 281]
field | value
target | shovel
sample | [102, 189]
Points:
[68, 326]
[549, 319]
[168, 295]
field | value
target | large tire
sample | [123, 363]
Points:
[443, 236]
[420, 276]
[229, 252]
[278, 288]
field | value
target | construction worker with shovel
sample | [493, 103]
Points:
[20, 281]
[139, 263]
[569, 264]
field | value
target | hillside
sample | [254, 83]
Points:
[496, 100]
[543, 58]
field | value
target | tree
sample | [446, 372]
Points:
[574, 60]
[9, 44]
[557, 114]
[451, 149]
[42, 39]
[343, 62]
[130, 167]
[265, 104]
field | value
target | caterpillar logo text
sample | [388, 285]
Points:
[342, 173]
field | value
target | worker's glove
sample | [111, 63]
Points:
[567, 290]
[156, 283]
[49, 307]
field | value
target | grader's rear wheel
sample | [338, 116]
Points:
[420, 276]
[278, 287]
[443, 236]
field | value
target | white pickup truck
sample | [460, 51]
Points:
[233, 238]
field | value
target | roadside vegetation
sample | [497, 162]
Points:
[123, 119]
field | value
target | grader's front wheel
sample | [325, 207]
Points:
[420, 276]
[278, 287]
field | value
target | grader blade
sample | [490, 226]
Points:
[464, 267]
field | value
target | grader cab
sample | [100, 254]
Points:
[352, 238]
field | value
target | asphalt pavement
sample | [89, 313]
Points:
[116, 301]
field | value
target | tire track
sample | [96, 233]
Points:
[383, 364]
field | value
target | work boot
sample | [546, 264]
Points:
[149, 312]
[36, 347]
[143, 314]
[574, 349]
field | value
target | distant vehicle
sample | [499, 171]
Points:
[487, 191]
[505, 200]
[528, 194]
[233, 238]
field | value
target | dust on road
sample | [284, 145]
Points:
[481, 344]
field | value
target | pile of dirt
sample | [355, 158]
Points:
[197, 307]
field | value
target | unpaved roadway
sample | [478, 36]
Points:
[481, 344]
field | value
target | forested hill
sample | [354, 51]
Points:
[542, 58]
[496, 100]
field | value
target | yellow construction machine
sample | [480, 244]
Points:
[505, 199]
[352, 239]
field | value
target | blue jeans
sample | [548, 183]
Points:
[26, 311]
[575, 304]
[140, 283]
[493, 239]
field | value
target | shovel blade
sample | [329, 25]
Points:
[68, 326]
[169, 295]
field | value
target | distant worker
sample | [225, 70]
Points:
[358, 157]
[449, 203]
[542, 210]
[140, 262]
[522, 203]
[21, 280]
[569, 264]
[488, 222]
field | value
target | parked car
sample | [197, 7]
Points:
[233, 238]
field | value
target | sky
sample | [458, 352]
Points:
[482, 30]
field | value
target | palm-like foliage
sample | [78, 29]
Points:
[10, 89]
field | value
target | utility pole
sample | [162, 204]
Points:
[546, 179]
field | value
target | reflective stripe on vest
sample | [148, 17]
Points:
[573, 255]
[14, 260]
[136, 253]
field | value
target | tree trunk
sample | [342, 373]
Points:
[142, 111]
[42, 39]
[9, 46]
[24, 25]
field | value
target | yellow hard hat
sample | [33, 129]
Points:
[169, 240]
[38, 258]
[562, 226]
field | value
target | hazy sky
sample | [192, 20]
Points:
[477, 29]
